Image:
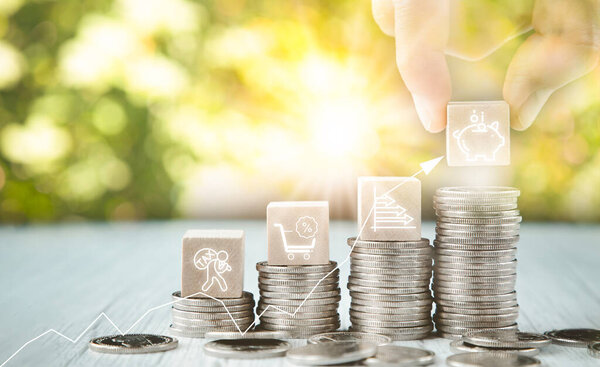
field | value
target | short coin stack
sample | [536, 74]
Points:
[389, 286]
[302, 300]
[475, 259]
[193, 317]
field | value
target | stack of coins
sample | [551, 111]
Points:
[477, 232]
[193, 317]
[389, 286]
[301, 300]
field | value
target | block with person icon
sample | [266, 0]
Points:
[212, 263]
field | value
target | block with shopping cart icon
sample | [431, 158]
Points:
[298, 232]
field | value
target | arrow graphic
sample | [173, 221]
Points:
[426, 167]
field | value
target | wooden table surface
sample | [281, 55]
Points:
[63, 277]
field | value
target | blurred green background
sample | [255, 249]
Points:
[142, 109]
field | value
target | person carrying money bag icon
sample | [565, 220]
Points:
[215, 264]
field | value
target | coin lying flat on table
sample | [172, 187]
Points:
[331, 353]
[395, 355]
[246, 348]
[491, 359]
[461, 346]
[506, 339]
[574, 337]
[133, 344]
[347, 336]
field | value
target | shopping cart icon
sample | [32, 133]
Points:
[293, 249]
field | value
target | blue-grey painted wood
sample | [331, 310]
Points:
[64, 276]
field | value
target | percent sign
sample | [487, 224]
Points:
[306, 227]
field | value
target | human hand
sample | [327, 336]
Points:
[564, 47]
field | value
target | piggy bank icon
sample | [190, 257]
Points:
[480, 141]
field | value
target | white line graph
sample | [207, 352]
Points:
[426, 167]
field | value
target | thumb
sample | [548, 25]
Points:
[565, 48]
[421, 31]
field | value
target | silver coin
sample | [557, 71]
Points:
[395, 355]
[301, 276]
[331, 353]
[476, 214]
[472, 247]
[478, 311]
[300, 302]
[386, 291]
[437, 291]
[476, 305]
[217, 309]
[397, 334]
[301, 322]
[304, 330]
[574, 337]
[475, 279]
[473, 260]
[133, 344]
[304, 290]
[388, 284]
[353, 242]
[424, 264]
[389, 258]
[477, 266]
[479, 227]
[504, 286]
[212, 316]
[594, 350]
[478, 240]
[491, 359]
[484, 221]
[476, 235]
[419, 314]
[460, 346]
[255, 334]
[477, 192]
[421, 251]
[391, 278]
[349, 336]
[473, 272]
[471, 324]
[212, 323]
[269, 314]
[511, 317]
[477, 253]
[391, 297]
[476, 201]
[291, 309]
[298, 283]
[246, 299]
[461, 330]
[301, 295]
[475, 207]
[389, 271]
[246, 348]
[397, 311]
[506, 339]
[263, 266]
[391, 306]
[390, 324]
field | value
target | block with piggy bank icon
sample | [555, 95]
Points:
[478, 134]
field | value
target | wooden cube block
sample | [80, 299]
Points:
[213, 263]
[389, 208]
[298, 232]
[478, 134]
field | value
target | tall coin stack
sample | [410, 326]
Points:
[477, 231]
[389, 286]
[193, 317]
[287, 304]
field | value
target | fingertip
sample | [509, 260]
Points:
[433, 117]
